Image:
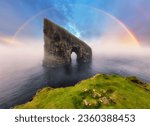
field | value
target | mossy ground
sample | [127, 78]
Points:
[100, 91]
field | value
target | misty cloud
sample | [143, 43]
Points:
[22, 73]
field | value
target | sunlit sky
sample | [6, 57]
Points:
[133, 13]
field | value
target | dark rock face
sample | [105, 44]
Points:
[59, 44]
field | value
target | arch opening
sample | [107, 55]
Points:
[75, 54]
[74, 58]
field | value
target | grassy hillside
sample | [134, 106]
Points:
[100, 91]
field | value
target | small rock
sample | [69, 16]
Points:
[105, 101]
[94, 90]
[85, 90]
[96, 95]
[99, 95]
[85, 103]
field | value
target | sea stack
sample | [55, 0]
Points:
[59, 44]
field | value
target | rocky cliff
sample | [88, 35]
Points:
[59, 44]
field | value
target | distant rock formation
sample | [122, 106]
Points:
[59, 44]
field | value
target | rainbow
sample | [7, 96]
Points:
[133, 37]
[8, 40]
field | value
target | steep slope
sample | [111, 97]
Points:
[100, 91]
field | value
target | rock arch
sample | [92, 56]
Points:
[59, 44]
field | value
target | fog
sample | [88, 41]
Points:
[122, 59]
[14, 60]
[22, 73]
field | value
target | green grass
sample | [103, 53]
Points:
[100, 91]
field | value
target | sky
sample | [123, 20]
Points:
[134, 14]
